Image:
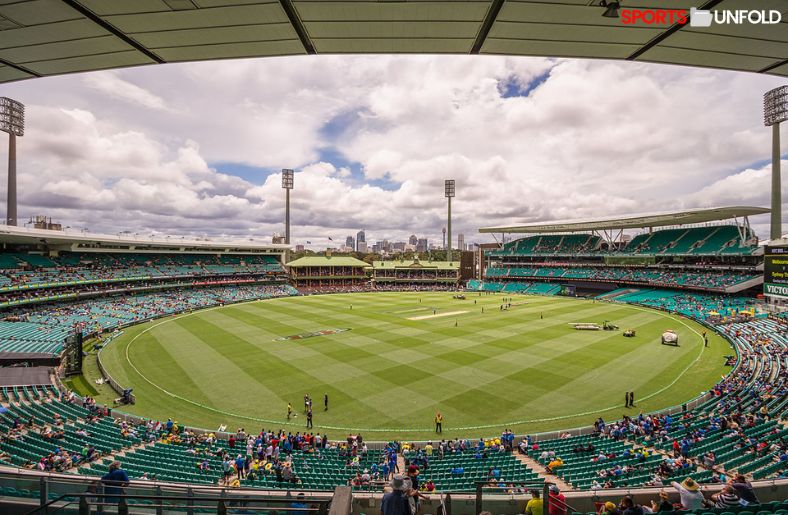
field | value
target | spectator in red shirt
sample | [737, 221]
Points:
[557, 501]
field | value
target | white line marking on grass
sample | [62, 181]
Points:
[447, 314]
[413, 430]
[402, 311]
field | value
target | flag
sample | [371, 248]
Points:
[309, 243]
[330, 238]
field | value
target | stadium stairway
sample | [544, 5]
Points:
[540, 470]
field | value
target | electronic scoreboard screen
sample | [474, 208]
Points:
[568, 290]
[775, 271]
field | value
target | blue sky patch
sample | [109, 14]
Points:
[253, 174]
[511, 87]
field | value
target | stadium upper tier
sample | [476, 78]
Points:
[705, 280]
[24, 271]
[694, 241]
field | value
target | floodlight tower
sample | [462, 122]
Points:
[775, 110]
[287, 184]
[12, 121]
[449, 193]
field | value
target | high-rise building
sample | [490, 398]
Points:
[299, 248]
[350, 243]
[422, 245]
[361, 246]
[461, 241]
[413, 240]
[361, 237]
[398, 246]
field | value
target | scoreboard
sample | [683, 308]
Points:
[775, 271]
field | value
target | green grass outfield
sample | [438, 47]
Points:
[387, 375]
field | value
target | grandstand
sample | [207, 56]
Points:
[49, 292]
[415, 275]
[704, 253]
[328, 273]
[67, 283]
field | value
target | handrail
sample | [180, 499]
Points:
[321, 509]
[506, 485]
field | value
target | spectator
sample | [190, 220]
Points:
[396, 501]
[557, 501]
[114, 481]
[535, 505]
[664, 504]
[726, 498]
[744, 490]
[689, 491]
[628, 507]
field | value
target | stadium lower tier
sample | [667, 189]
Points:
[43, 328]
[656, 277]
[699, 306]
[737, 429]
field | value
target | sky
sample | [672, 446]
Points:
[196, 148]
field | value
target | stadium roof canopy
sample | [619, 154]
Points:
[327, 261]
[50, 37]
[127, 241]
[693, 216]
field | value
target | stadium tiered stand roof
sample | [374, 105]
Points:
[46, 37]
[664, 219]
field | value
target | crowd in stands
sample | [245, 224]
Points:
[391, 286]
[714, 309]
[697, 241]
[735, 430]
[660, 277]
[328, 271]
[42, 328]
[34, 270]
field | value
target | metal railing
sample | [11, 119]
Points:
[122, 502]
[57, 493]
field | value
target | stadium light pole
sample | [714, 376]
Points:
[12, 121]
[775, 110]
[287, 184]
[449, 193]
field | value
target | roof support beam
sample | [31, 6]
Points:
[19, 67]
[98, 20]
[489, 19]
[669, 32]
[298, 26]
[772, 67]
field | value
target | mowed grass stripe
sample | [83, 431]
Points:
[218, 362]
[387, 372]
[286, 366]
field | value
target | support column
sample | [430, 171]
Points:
[11, 192]
[448, 246]
[287, 224]
[776, 225]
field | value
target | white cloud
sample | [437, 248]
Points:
[595, 138]
[115, 87]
